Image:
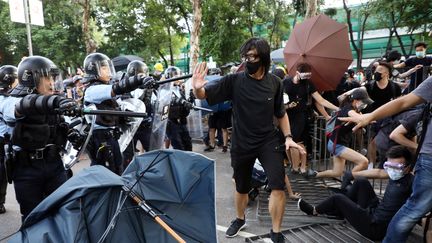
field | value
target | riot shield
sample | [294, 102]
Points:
[160, 118]
[194, 120]
[132, 123]
[71, 155]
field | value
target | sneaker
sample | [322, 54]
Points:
[310, 174]
[209, 148]
[305, 207]
[235, 227]
[277, 237]
[224, 149]
[2, 209]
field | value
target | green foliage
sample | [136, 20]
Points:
[60, 38]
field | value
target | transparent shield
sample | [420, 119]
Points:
[133, 123]
[160, 119]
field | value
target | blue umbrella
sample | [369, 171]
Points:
[176, 186]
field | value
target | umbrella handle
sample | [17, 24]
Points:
[169, 230]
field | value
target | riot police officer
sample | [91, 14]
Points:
[177, 130]
[104, 148]
[8, 80]
[143, 133]
[39, 132]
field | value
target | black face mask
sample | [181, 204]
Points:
[377, 76]
[252, 67]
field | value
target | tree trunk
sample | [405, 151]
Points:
[360, 48]
[171, 53]
[311, 8]
[196, 30]
[163, 58]
[90, 43]
[350, 30]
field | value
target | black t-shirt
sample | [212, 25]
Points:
[409, 120]
[417, 77]
[342, 133]
[346, 85]
[396, 194]
[381, 96]
[255, 103]
[300, 93]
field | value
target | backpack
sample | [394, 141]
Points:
[331, 126]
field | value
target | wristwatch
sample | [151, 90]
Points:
[288, 136]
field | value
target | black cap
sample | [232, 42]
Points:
[361, 94]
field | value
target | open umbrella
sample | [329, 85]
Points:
[322, 43]
[121, 62]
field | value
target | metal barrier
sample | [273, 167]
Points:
[321, 158]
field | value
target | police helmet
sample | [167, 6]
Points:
[136, 67]
[8, 75]
[31, 71]
[98, 66]
[172, 71]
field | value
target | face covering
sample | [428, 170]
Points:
[394, 174]
[361, 106]
[420, 54]
[252, 67]
[396, 62]
[359, 77]
[377, 76]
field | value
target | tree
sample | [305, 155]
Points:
[196, 30]
[358, 49]
[60, 39]
[311, 8]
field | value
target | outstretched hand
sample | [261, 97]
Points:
[361, 120]
[198, 78]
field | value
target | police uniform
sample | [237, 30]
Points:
[39, 135]
[104, 148]
[8, 76]
[177, 130]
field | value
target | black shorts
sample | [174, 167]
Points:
[271, 156]
[220, 119]
[298, 124]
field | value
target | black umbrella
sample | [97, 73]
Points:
[121, 62]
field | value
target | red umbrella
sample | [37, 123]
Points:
[322, 43]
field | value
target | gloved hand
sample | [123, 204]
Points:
[148, 83]
[128, 84]
[67, 107]
[75, 138]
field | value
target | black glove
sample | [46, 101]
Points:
[68, 107]
[149, 83]
[75, 138]
[128, 84]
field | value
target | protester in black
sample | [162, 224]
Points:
[420, 59]
[360, 205]
[302, 93]
[257, 97]
[341, 135]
